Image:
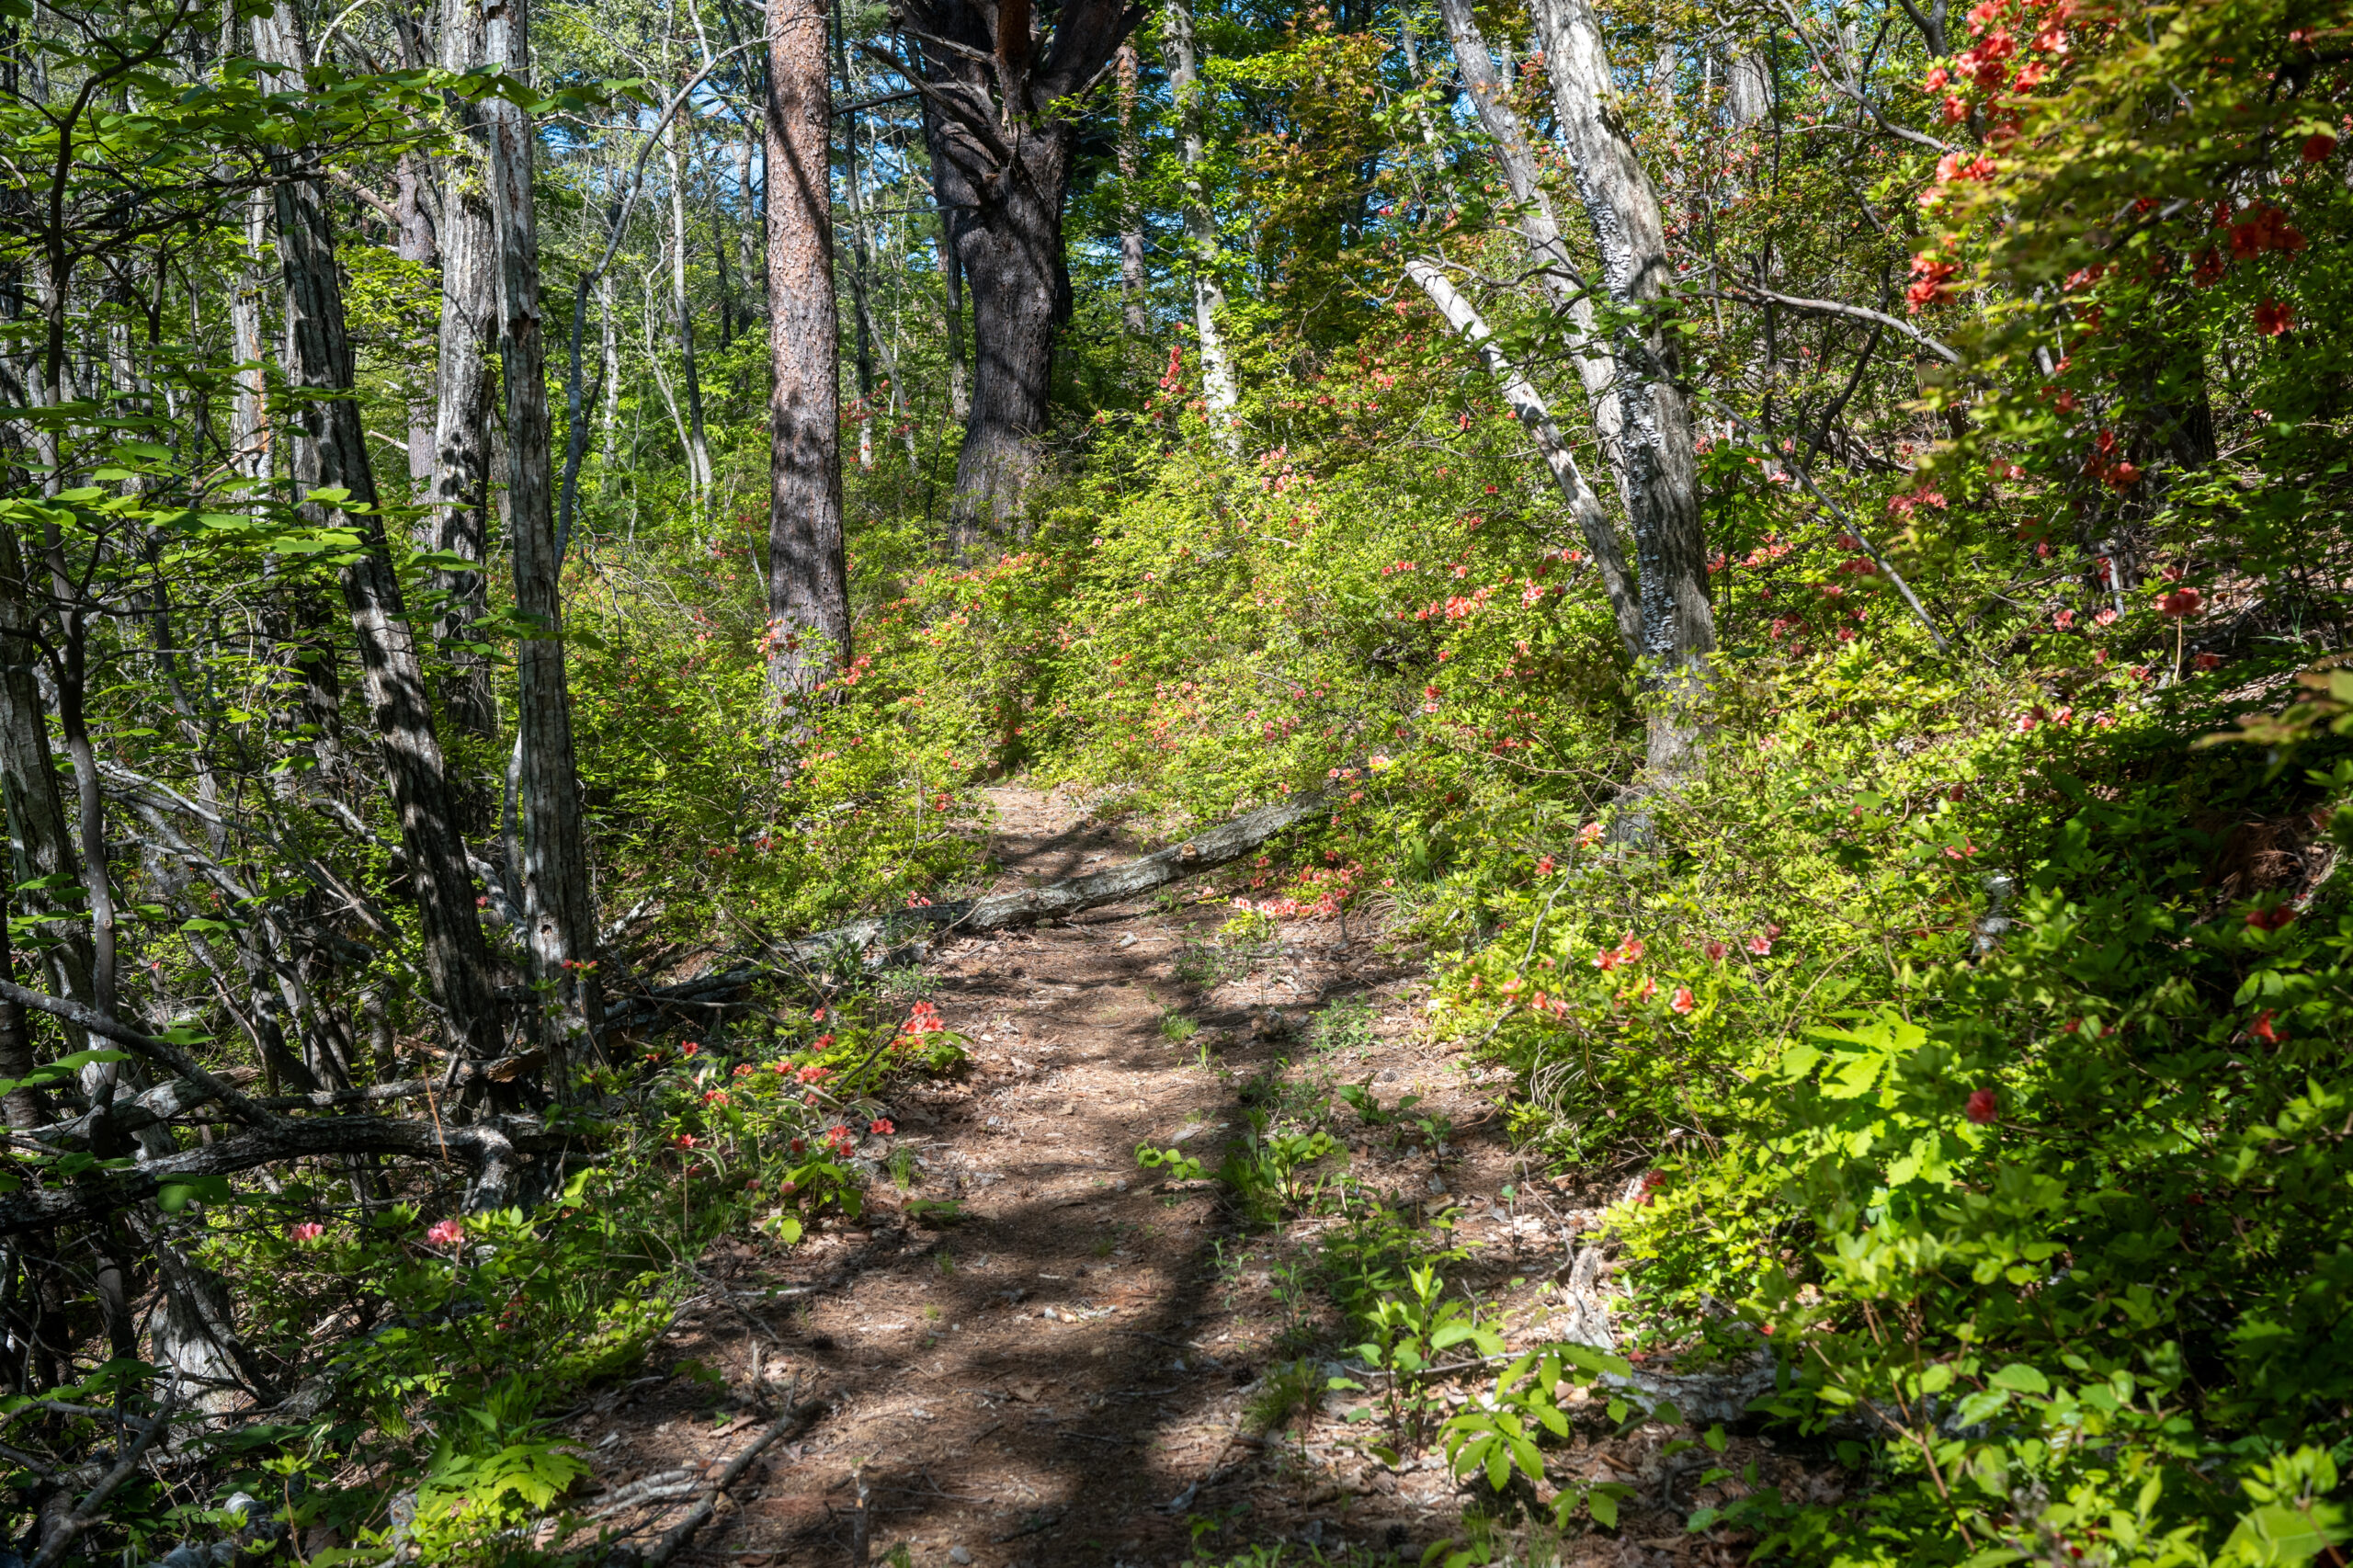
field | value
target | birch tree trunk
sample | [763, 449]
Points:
[455, 960]
[458, 521]
[682, 317]
[861, 307]
[1200, 223]
[1663, 500]
[1600, 536]
[808, 585]
[1539, 225]
[1131, 164]
[559, 910]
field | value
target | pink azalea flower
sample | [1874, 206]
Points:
[1684, 1001]
[308, 1231]
[445, 1234]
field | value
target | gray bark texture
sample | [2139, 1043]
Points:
[40, 845]
[1663, 501]
[1539, 225]
[455, 958]
[1131, 164]
[559, 909]
[458, 521]
[1527, 404]
[808, 584]
[1000, 93]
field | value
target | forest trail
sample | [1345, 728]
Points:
[1067, 1373]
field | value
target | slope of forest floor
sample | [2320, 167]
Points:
[1081, 1365]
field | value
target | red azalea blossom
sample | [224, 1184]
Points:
[2264, 1030]
[2207, 662]
[880, 1127]
[2318, 146]
[1684, 1001]
[2273, 919]
[2272, 318]
[308, 1231]
[1984, 1105]
[2180, 602]
[445, 1234]
[1715, 951]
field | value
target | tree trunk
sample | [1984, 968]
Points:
[1600, 536]
[1000, 92]
[699, 472]
[1663, 501]
[1490, 93]
[809, 626]
[1748, 88]
[248, 411]
[1130, 156]
[862, 306]
[1008, 234]
[417, 245]
[559, 911]
[1200, 223]
[455, 960]
[951, 288]
[41, 845]
[460, 495]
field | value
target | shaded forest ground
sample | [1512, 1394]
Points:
[1090, 1364]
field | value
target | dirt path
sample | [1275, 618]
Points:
[1068, 1374]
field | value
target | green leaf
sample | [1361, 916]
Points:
[2020, 1377]
[178, 1194]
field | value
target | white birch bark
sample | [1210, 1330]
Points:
[1527, 403]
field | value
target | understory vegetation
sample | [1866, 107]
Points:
[1905, 883]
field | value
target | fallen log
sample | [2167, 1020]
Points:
[1188, 857]
[487, 1149]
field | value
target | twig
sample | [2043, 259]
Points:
[675, 1538]
[83, 1517]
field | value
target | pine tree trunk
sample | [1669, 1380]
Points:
[559, 911]
[1008, 238]
[457, 962]
[809, 629]
[1000, 86]
[1662, 502]
[460, 495]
